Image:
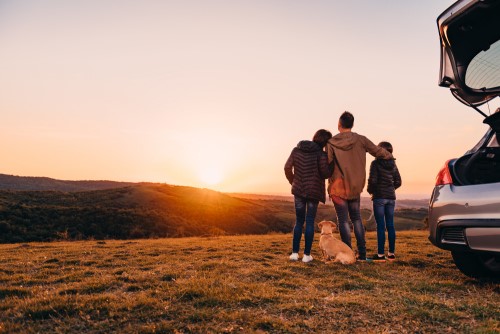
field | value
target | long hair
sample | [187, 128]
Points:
[321, 137]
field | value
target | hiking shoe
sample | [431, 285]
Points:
[377, 258]
[307, 258]
[391, 257]
[294, 257]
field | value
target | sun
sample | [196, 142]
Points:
[211, 175]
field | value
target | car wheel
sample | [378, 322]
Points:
[478, 265]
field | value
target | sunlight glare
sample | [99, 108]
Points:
[211, 175]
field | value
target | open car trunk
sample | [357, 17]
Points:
[470, 50]
[480, 167]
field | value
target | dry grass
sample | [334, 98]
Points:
[236, 284]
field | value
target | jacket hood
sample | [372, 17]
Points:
[344, 140]
[386, 164]
[308, 146]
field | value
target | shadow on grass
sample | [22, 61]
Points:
[14, 292]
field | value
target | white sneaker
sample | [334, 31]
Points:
[307, 258]
[294, 257]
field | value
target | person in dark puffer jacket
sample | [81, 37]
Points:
[306, 169]
[383, 181]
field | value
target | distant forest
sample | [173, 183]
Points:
[149, 210]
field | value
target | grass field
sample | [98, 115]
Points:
[236, 284]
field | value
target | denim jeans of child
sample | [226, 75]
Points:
[305, 210]
[383, 210]
[350, 209]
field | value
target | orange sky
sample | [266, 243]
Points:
[216, 93]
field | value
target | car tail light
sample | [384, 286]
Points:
[444, 175]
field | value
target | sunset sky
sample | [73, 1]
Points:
[217, 93]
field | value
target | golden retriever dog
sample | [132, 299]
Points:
[332, 248]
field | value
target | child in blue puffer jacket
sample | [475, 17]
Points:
[383, 181]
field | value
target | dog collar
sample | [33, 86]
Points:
[326, 233]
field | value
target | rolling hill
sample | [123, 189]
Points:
[146, 210]
[26, 183]
[138, 211]
[366, 202]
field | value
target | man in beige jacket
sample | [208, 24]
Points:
[347, 154]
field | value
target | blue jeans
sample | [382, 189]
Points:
[305, 210]
[351, 207]
[383, 210]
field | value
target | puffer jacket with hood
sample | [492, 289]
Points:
[306, 169]
[384, 179]
[347, 152]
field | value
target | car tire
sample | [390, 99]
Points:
[480, 266]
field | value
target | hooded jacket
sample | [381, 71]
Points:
[384, 179]
[306, 169]
[347, 153]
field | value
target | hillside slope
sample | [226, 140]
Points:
[44, 209]
[366, 202]
[26, 183]
[138, 211]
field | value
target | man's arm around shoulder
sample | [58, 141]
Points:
[376, 151]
